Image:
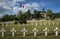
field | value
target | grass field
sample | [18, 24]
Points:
[29, 28]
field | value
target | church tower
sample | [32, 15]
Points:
[43, 12]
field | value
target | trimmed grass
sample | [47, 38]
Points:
[29, 33]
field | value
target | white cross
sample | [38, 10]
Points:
[56, 31]
[53, 23]
[49, 23]
[23, 24]
[46, 30]
[35, 30]
[6, 24]
[32, 24]
[27, 24]
[13, 31]
[2, 32]
[18, 24]
[40, 24]
[36, 24]
[24, 31]
[44, 24]
[2, 24]
[57, 23]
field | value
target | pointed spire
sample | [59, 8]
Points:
[43, 9]
[43, 5]
[21, 5]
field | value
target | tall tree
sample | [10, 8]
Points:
[28, 14]
[6, 17]
[19, 15]
[35, 14]
[49, 13]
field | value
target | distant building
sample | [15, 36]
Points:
[42, 13]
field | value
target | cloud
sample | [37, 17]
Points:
[18, 0]
[27, 6]
[35, 5]
[32, 6]
[10, 5]
[15, 10]
[3, 10]
[42, 3]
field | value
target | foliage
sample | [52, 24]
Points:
[27, 15]
[49, 13]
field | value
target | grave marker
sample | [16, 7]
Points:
[56, 31]
[35, 30]
[2, 32]
[40, 24]
[36, 24]
[49, 23]
[44, 24]
[32, 24]
[13, 32]
[46, 31]
[18, 24]
[23, 24]
[27, 24]
[53, 23]
[24, 31]
[6, 24]
[57, 23]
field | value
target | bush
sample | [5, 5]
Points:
[23, 21]
[15, 22]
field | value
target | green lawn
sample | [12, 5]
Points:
[29, 33]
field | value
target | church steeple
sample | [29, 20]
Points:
[43, 9]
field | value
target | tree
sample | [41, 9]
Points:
[35, 15]
[49, 13]
[19, 16]
[6, 17]
[28, 14]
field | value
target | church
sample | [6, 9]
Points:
[42, 13]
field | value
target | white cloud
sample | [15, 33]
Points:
[27, 6]
[15, 9]
[18, 0]
[35, 5]
[7, 4]
[32, 5]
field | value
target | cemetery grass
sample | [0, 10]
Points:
[29, 33]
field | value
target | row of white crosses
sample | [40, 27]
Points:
[5, 24]
[35, 31]
[56, 31]
[36, 24]
[53, 23]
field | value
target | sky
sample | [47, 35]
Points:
[13, 6]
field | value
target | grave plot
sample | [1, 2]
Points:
[43, 29]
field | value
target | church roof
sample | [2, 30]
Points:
[41, 11]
